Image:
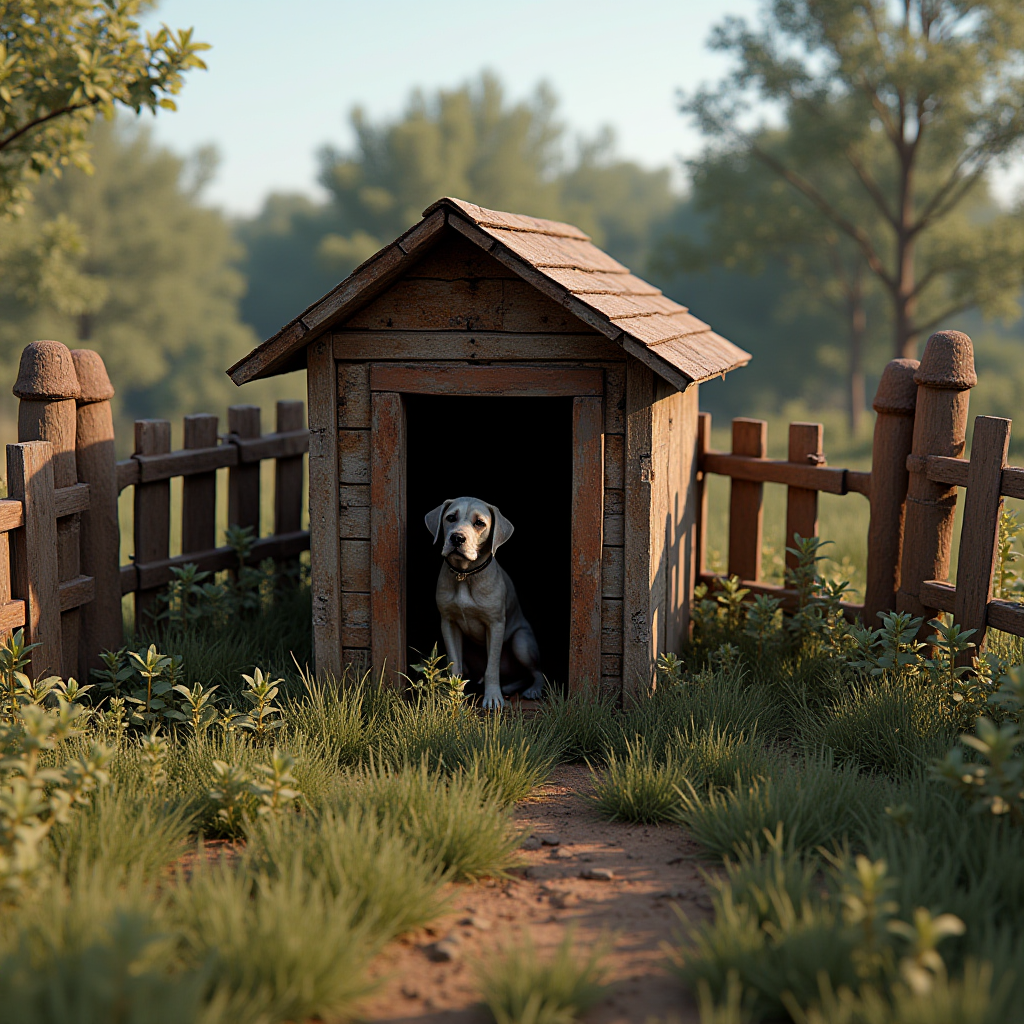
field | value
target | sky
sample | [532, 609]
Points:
[284, 74]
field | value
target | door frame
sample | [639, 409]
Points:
[389, 383]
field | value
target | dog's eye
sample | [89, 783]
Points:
[451, 518]
[479, 524]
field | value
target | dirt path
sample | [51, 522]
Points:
[653, 869]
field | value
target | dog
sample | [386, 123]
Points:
[478, 602]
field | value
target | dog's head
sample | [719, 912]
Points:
[470, 528]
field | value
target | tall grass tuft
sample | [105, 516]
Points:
[638, 787]
[455, 821]
[368, 863]
[519, 988]
[278, 949]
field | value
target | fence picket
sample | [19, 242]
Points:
[805, 448]
[288, 471]
[152, 512]
[34, 574]
[199, 490]
[244, 479]
[979, 538]
[746, 502]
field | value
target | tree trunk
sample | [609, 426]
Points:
[903, 296]
[858, 328]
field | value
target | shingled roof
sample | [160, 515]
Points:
[557, 259]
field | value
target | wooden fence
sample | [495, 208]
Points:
[916, 469]
[60, 571]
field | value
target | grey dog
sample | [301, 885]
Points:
[477, 600]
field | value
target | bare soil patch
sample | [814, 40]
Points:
[654, 869]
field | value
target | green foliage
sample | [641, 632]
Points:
[64, 61]
[638, 788]
[520, 988]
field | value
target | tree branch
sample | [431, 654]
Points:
[4, 142]
[803, 186]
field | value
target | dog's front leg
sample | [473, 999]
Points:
[452, 636]
[492, 676]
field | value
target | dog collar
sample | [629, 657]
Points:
[461, 574]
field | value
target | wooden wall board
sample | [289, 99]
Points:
[474, 346]
[325, 564]
[746, 502]
[353, 396]
[611, 571]
[355, 620]
[353, 456]
[354, 511]
[587, 522]
[388, 514]
[455, 258]
[682, 513]
[499, 381]
[611, 626]
[615, 399]
[355, 565]
[614, 461]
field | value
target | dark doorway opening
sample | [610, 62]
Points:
[515, 453]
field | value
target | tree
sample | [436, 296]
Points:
[468, 142]
[161, 297]
[918, 101]
[64, 61]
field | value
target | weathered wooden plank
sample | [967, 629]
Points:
[12, 616]
[34, 574]
[611, 626]
[67, 501]
[806, 447]
[830, 479]
[152, 509]
[939, 594]
[355, 623]
[353, 447]
[615, 462]
[585, 564]
[355, 565]
[611, 668]
[289, 469]
[354, 511]
[5, 579]
[1007, 616]
[611, 571]
[11, 514]
[455, 258]
[199, 491]
[186, 462]
[412, 304]
[501, 381]
[127, 474]
[475, 346]
[681, 514]
[281, 445]
[638, 600]
[388, 535]
[858, 482]
[613, 530]
[941, 469]
[1013, 482]
[354, 396]
[746, 501]
[525, 309]
[324, 552]
[979, 538]
[615, 399]
[74, 593]
[158, 573]
[244, 480]
[701, 532]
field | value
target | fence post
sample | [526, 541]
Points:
[244, 479]
[944, 380]
[979, 537]
[34, 574]
[288, 472]
[48, 386]
[152, 511]
[102, 626]
[805, 448]
[895, 401]
[199, 490]
[746, 502]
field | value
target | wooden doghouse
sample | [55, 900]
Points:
[506, 357]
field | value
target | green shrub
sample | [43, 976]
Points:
[519, 988]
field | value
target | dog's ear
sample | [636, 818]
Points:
[501, 528]
[433, 519]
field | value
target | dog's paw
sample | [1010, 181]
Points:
[534, 692]
[493, 701]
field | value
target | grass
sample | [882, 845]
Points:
[521, 988]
